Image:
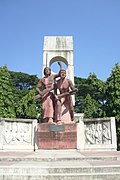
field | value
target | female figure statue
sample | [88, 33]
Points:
[47, 95]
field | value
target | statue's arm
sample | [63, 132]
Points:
[60, 64]
[71, 85]
[39, 85]
[58, 75]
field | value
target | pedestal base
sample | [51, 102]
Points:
[52, 136]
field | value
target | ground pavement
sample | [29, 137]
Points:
[59, 164]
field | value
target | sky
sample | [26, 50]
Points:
[94, 25]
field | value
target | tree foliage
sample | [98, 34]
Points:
[113, 97]
[91, 107]
[7, 108]
[23, 81]
[96, 89]
[16, 94]
[27, 106]
[83, 89]
[113, 93]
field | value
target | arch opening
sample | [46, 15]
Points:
[54, 65]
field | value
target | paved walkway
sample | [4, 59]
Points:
[59, 158]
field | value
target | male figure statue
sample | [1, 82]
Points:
[64, 86]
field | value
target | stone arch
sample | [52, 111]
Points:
[61, 47]
[59, 58]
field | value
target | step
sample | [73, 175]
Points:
[60, 165]
[53, 159]
[72, 176]
[36, 170]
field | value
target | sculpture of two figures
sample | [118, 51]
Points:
[57, 105]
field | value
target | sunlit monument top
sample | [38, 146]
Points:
[58, 43]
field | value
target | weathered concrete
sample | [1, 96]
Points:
[59, 48]
[18, 134]
[97, 134]
[87, 134]
[60, 164]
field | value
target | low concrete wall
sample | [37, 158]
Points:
[92, 134]
[18, 134]
[96, 134]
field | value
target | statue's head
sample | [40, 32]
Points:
[62, 73]
[47, 71]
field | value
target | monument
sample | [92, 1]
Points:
[58, 129]
[61, 127]
[57, 100]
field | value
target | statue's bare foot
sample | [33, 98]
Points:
[50, 121]
[59, 122]
[72, 121]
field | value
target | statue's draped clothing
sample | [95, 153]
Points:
[47, 99]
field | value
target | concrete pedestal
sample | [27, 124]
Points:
[52, 136]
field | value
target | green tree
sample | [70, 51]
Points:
[6, 94]
[27, 106]
[113, 98]
[97, 89]
[83, 89]
[23, 81]
[91, 107]
[113, 93]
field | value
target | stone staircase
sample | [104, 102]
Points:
[59, 165]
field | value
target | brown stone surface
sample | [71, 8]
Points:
[57, 136]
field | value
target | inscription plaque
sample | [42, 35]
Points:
[56, 128]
